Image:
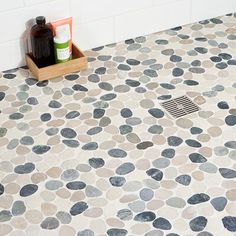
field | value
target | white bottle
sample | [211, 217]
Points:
[61, 43]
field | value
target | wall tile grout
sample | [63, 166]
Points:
[115, 24]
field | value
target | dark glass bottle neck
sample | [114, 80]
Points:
[41, 24]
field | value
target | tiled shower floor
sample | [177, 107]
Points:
[94, 154]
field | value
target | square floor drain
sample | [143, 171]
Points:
[180, 106]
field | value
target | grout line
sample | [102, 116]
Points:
[191, 11]
[114, 29]
[70, 8]
[27, 6]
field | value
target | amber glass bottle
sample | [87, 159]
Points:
[42, 43]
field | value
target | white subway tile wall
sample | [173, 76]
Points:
[151, 19]
[93, 34]
[210, 8]
[99, 22]
[10, 5]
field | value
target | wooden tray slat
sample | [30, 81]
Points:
[78, 62]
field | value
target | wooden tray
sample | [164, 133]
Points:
[78, 62]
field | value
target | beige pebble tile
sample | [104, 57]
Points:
[77, 196]
[6, 201]
[128, 198]
[231, 194]
[206, 210]
[103, 184]
[93, 212]
[103, 172]
[163, 194]
[142, 164]
[155, 204]
[34, 216]
[189, 212]
[140, 229]
[48, 196]
[17, 233]
[206, 151]
[48, 209]
[63, 193]
[12, 188]
[5, 229]
[113, 194]
[198, 175]
[231, 208]
[98, 202]
[66, 230]
[113, 222]
[98, 225]
[168, 212]
[38, 177]
[19, 223]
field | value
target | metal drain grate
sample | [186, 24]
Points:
[180, 106]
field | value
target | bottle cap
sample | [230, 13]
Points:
[40, 20]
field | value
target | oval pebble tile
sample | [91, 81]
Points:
[193, 143]
[28, 190]
[50, 223]
[86, 232]
[230, 144]
[162, 223]
[24, 169]
[197, 158]
[198, 224]
[229, 223]
[125, 168]
[198, 198]
[92, 191]
[63, 217]
[176, 202]
[40, 149]
[155, 174]
[146, 194]
[53, 184]
[168, 153]
[1, 189]
[90, 146]
[227, 173]
[96, 162]
[155, 112]
[161, 163]
[137, 206]
[174, 141]
[208, 167]
[144, 145]
[219, 203]
[196, 130]
[71, 143]
[5, 215]
[117, 153]
[155, 129]
[145, 216]
[18, 208]
[69, 175]
[78, 208]
[76, 185]
[117, 232]
[117, 181]
[230, 120]
[125, 214]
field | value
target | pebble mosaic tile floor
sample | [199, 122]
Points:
[94, 153]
